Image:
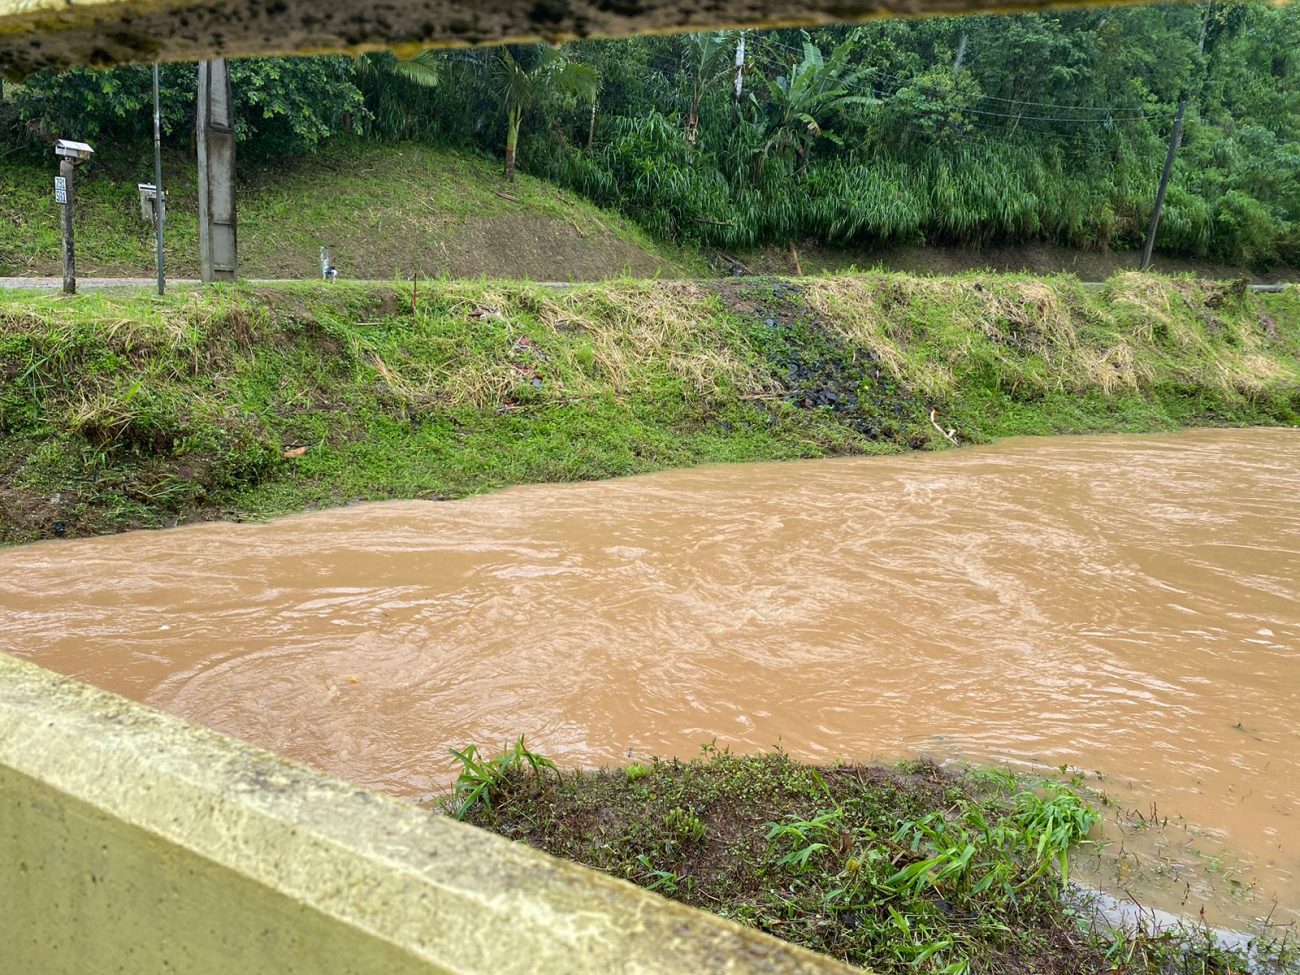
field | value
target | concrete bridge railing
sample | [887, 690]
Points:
[132, 841]
[37, 34]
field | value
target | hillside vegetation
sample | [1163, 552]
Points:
[384, 211]
[123, 411]
[969, 131]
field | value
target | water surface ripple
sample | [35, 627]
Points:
[1129, 604]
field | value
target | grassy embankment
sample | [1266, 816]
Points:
[122, 411]
[906, 869]
[384, 211]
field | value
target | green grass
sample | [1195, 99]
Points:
[914, 868]
[385, 211]
[128, 410]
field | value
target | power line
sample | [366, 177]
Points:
[1061, 140]
[1108, 109]
[1109, 120]
[1057, 140]
[1113, 113]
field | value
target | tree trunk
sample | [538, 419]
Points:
[512, 142]
[692, 123]
[591, 128]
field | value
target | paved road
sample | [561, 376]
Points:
[91, 284]
[112, 284]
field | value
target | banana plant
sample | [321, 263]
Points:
[803, 101]
[707, 58]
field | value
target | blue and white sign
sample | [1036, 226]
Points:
[60, 189]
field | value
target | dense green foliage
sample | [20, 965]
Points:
[131, 410]
[1054, 127]
[960, 130]
[285, 105]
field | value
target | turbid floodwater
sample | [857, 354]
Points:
[1127, 606]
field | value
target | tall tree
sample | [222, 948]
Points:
[520, 87]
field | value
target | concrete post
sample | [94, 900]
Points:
[218, 252]
[160, 203]
[69, 245]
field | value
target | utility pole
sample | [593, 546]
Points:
[1175, 140]
[740, 67]
[218, 251]
[160, 206]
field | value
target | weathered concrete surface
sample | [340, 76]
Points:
[47, 33]
[134, 842]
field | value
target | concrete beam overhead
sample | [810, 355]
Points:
[37, 34]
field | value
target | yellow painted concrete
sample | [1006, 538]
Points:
[134, 842]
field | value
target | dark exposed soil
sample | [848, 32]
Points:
[816, 368]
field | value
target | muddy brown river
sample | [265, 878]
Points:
[1125, 606]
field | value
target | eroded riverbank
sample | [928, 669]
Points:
[1121, 604]
[121, 411]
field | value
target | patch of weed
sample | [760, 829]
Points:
[904, 869]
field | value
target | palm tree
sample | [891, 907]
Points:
[423, 69]
[595, 97]
[521, 87]
[389, 74]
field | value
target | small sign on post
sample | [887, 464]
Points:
[70, 155]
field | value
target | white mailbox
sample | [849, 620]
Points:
[149, 201]
[78, 152]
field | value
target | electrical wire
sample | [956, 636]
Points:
[1110, 110]
[1111, 113]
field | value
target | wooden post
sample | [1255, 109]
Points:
[69, 245]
